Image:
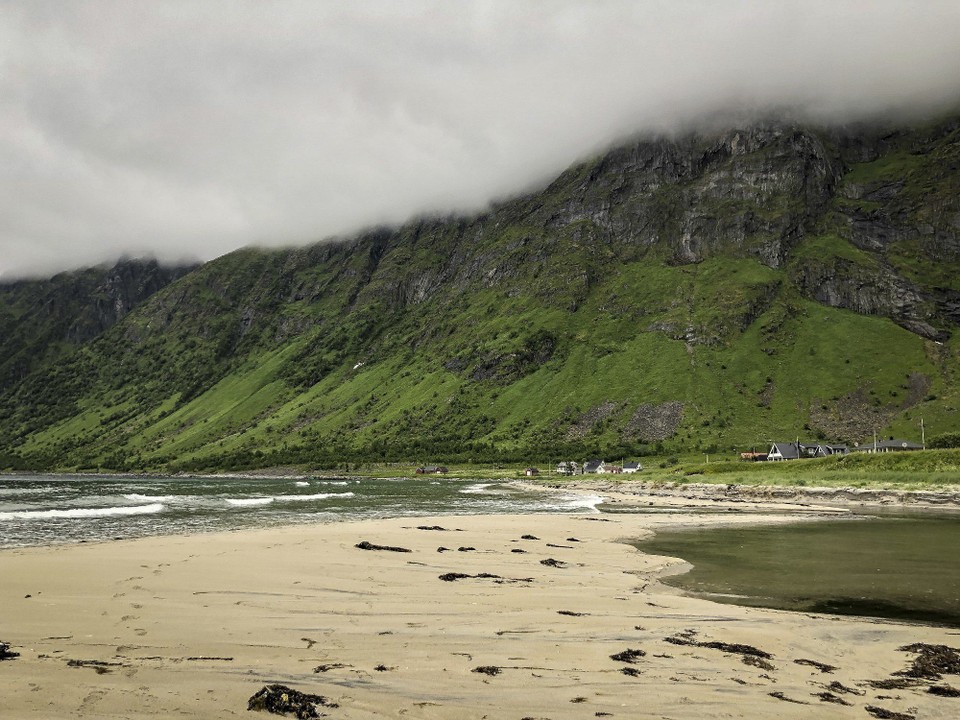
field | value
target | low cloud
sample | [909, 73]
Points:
[188, 129]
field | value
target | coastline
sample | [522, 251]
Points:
[195, 625]
[638, 493]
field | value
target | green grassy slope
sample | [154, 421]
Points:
[664, 298]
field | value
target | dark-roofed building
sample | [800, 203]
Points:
[786, 451]
[891, 445]
[827, 449]
[592, 466]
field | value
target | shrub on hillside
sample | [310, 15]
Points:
[946, 440]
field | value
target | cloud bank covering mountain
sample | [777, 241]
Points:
[190, 129]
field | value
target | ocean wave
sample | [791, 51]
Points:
[318, 496]
[26, 490]
[477, 489]
[152, 498]
[484, 489]
[580, 502]
[151, 509]
[248, 502]
[302, 483]
[245, 502]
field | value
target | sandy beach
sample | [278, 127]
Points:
[496, 625]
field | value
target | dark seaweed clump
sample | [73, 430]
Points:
[884, 714]
[281, 700]
[6, 653]
[391, 548]
[686, 639]
[490, 670]
[628, 656]
[822, 667]
[932, 661]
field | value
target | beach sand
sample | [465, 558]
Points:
[194, 626]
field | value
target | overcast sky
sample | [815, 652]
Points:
[188, 129]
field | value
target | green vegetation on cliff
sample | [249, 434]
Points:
[705, 294]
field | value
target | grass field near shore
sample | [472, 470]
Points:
[904, 470]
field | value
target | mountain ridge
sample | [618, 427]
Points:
[672, 294]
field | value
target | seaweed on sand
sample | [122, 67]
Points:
[281, 700]
[490, 670]
[884, 714]
[822, 667]
[829, 697]
[628, 656]
[687, 639]
[932, 661]
[364, 545]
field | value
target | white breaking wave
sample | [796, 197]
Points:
[484, 489]
[284, 498]
[250, 501]
[318, 496]
[151, 509]
[478, 489]
[587, 502]
[302, 483]
[151, 498]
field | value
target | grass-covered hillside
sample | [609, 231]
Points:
[702, 294]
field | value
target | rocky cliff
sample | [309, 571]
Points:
[715, 288]
[41, 318]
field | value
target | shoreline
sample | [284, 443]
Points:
[194, 625]
[638, 493]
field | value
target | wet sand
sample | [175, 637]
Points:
[495, 626]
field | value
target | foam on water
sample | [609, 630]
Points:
[151, 509]
[585, 502]
[26, 490]
[478, 489]
[138, 507]
[285, 498]
[318, 496]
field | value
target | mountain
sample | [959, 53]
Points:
[698, 293]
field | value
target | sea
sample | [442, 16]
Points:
[55, 509]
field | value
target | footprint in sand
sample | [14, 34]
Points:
[91, 700]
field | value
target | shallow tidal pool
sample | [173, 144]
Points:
[904, 567]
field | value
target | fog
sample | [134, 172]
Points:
[189, 129]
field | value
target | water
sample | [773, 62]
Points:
[45, 510]
[902, 567]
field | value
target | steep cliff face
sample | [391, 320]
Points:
[738, 283]
[39, 319]
[753, 192]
